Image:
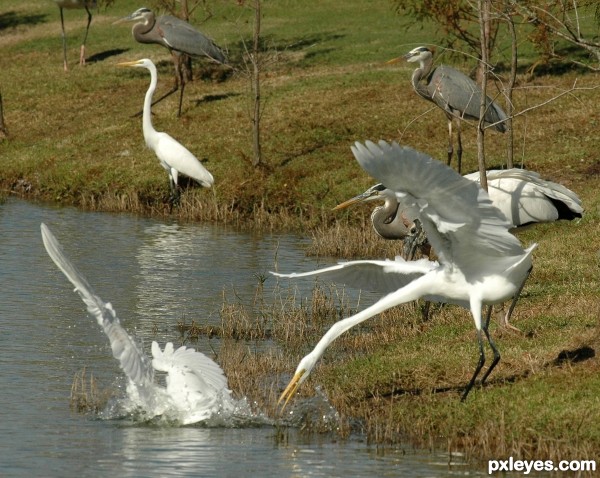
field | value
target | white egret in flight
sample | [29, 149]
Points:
[196, 388]
[173, 156]
[522, 196]
[454, 92]
[480, 261]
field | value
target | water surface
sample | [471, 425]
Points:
[155, 273]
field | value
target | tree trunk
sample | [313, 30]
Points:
[509, 92]
[484, 21]
[256, 86]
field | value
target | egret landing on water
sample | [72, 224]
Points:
[457, 94]
[173, 156]
[179, 37]
[87, 4]
[480, 261]
[196, 386]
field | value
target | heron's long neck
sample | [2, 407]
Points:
[419, 74]
[147, 115]
[385, 224]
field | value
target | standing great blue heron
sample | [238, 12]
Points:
[87, 4]
[480, 261]
[196, 386]
[522, 196]
[457, 94]
[173, 156]
[179, 37]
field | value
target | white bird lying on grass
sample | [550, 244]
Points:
[196, 388]
[480, 261]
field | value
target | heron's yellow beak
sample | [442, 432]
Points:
[356, 199]
[290, 390]
[128, 18]
[394, 60]
[129, 63]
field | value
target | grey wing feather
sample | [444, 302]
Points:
[133, 362]
[183, 37]
[451, 88]
[376, 276]
[457, 215]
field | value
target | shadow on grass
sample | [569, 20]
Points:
[13, 19]
[103, 55]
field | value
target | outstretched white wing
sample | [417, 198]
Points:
[133, 362]
[459, 219]
[377, 276]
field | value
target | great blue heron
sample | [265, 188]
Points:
[87, 4]
[179, 37]
[173, 156]
[457, 94]
[480, 261]
[521, 195]
[196, 386]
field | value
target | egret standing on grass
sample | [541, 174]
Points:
[480, 261]
[457, 94]
[179, 37]
[196, 386]
[87, 4]
[173, 156]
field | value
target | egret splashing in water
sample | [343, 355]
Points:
[196, 387]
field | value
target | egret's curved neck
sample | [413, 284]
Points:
[147, 115]
[408, 293]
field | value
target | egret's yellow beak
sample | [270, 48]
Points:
[290, 390]
[129, 63]
[356, 199]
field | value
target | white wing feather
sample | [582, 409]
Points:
[133, 362]
[377, 276]
[459, 219]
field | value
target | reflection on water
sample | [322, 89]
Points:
[154, 273]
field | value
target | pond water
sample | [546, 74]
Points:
[154, 273]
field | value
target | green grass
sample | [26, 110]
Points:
[73, 141]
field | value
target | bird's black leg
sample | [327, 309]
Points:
[174, 198]
[64, 40]
[505, 320]
[180, 97]
[492, 345]
[87, 29]
[477, 369]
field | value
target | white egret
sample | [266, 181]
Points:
[454, 92]
[173, 156]
[196, 388]
[522, 196]
[480, 261]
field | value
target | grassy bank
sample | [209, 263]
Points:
[73, 140]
